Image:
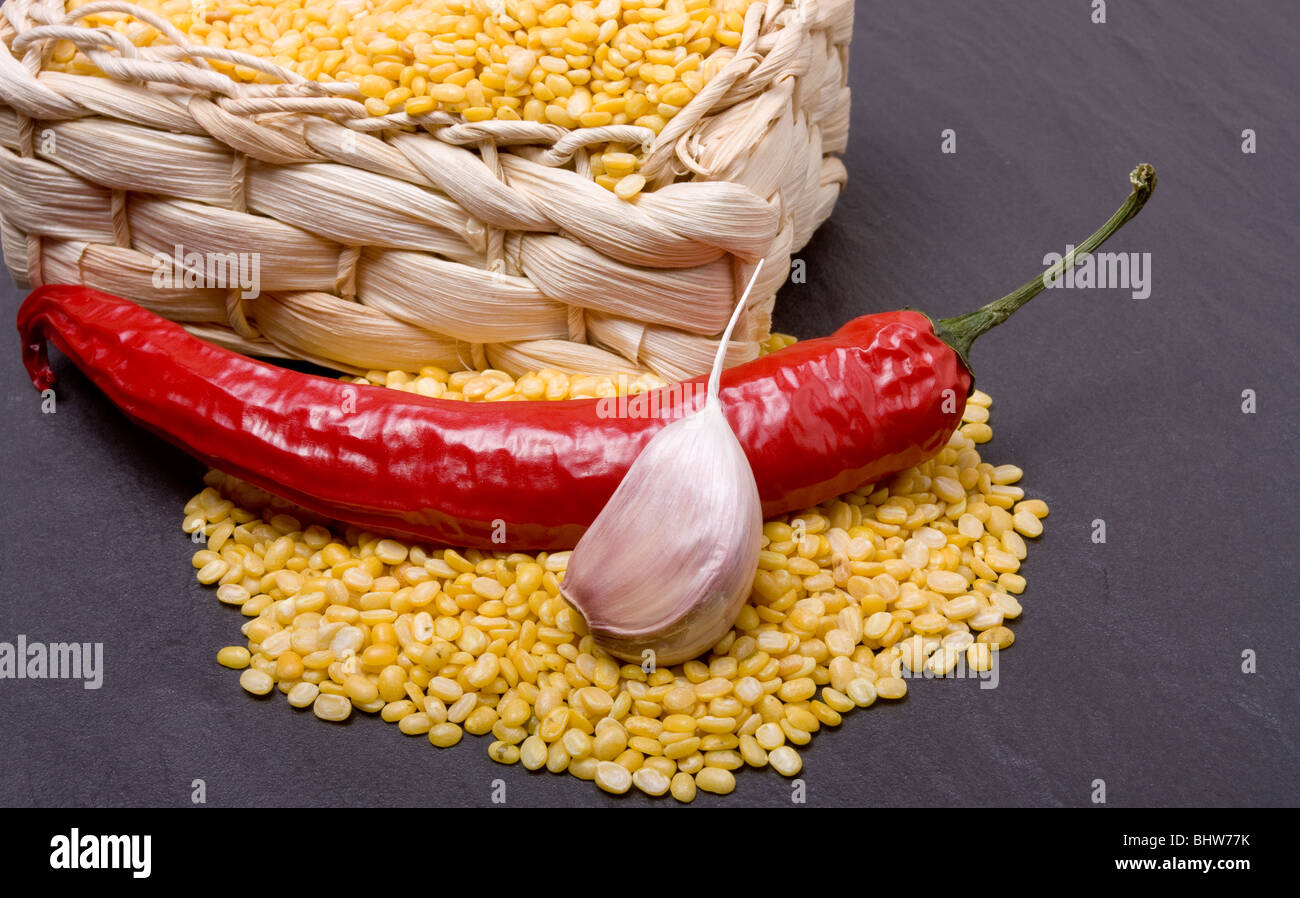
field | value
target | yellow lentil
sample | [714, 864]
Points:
[785, 761]
[649, 780]
[716, 780]
[503, 752]
[1035, 507]
[331, 707]
[256, 682]
[888, 577]
[753, 754]
[303, 694]
[235, 657]
[585, 65]
[417, 723]
[862, 692]
[445, 735]
[1027, 523]
[683, 787]
[532, 753]
[891, 687]
[584, 768]
[613, 777]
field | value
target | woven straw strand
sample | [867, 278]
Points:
[398, 241]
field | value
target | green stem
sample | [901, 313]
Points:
[961, 332]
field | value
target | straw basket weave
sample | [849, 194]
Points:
[396, 242]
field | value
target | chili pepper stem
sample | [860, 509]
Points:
[960, 332]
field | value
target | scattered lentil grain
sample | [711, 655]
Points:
[850, 598]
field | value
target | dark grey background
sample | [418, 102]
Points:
[1128, 661]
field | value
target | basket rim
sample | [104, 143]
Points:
[521, 211]
[29, 27]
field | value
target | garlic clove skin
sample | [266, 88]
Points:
[670, 560]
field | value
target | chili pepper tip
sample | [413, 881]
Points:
[37, 363]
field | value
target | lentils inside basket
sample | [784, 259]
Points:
[916, 574]
[613, 62]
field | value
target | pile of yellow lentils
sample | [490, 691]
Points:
[584, 64]
[913, 575]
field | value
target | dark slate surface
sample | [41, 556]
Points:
[1128, 666]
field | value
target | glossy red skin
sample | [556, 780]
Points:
[816, 419]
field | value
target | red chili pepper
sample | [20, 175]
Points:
[816, 419]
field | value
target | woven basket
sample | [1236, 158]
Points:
[398, 242]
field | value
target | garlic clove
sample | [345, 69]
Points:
[669, 562]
